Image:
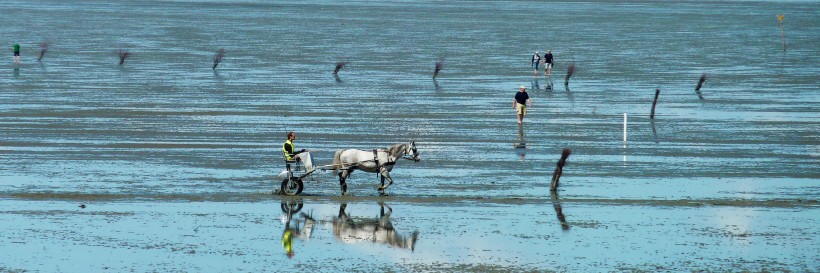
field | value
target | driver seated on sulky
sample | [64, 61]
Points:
[290, 151]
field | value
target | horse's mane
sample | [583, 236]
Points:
[397, 150]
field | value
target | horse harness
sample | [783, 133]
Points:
[376, 160]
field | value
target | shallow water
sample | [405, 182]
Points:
[517, 236]
[78, 128]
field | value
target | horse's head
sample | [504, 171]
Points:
[411, 151]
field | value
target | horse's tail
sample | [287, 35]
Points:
[337, 161]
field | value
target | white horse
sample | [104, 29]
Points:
[379, 161]
[350, 231]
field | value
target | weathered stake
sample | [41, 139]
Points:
[339, 66]
[218, 57]
[702, 79]
[559, 169]
[43, 50]
[570, 71]
[654, 102]
[123, 54]
[439, 66]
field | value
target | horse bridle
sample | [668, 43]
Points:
[411, 148]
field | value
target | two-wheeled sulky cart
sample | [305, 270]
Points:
[297, 170]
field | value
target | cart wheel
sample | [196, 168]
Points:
[295, 186]
[291, 207]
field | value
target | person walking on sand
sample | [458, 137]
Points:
[535, 60]
[520, 103]
[548, 63]
[16, 48]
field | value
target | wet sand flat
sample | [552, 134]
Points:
[538, 235]
[177, 162]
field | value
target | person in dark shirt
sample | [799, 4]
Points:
[548, 62]
[289, 149]
[520, 103]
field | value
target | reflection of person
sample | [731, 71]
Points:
[548, 63]
[520, 103]
[287, 240]
[521, 144]
[289, 150]
[16, 48]
[535, 60]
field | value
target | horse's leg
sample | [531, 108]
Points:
[382, 214]
[384, 219]
[342, 208]
[342, 180]
[381, 188]
[386, 174]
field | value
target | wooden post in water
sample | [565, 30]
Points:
[123, 54]
[339, 66]
[439, 66]
[570, 71]
[559, 169]
[657, 92]
[43, 50]
[218, 57]
[702, 79]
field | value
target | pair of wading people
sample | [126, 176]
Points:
[546, 61]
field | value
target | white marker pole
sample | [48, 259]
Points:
[624, 128]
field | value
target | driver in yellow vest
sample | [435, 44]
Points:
[289, 149]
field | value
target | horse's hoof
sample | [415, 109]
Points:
[384, 194]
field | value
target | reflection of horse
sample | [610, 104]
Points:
[378, 230]
[379, 161]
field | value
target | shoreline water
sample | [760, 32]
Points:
[175, 161]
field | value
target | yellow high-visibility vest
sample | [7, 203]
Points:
[285, 151]
[287, 241]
